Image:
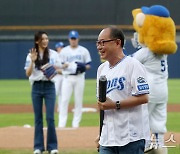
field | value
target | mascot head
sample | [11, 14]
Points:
[155, 29]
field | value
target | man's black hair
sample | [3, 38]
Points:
[116, 33]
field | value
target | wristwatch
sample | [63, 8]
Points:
[118, 105]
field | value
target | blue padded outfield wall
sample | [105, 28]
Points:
[13, 55]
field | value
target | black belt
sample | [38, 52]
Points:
[73, 74]
[43, 81]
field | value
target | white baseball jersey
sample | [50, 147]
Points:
[38, 74]
[127, 78]
[58, 81]
[72, 55]
[157, 74]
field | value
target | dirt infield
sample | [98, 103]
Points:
[28, 108]
[81, 138]
[22, 138]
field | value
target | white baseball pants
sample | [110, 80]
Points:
[71, 83]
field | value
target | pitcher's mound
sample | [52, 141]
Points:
[68, 138]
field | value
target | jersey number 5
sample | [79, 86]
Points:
[163, 65]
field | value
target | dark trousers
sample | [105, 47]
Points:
[44, 90]
[136, 147]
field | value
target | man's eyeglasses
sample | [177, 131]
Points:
[101, 43]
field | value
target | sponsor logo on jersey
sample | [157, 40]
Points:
[143, 87]
[115, 83]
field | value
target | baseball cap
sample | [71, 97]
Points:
[73, 34]
[59, 45]
[157, 10]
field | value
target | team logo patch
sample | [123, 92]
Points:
[142, 84]
[141, 80]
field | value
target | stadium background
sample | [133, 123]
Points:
[20, 19]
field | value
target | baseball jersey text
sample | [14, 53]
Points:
[74, 58]
[116, 83]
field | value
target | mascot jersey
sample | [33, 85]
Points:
[157, 73]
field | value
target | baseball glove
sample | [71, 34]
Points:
[49, 71]
[81, 67]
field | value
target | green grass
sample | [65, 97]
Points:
[19, 91]
[15, 92]
[20, 119]
[174, 89]
[173, 123]
[174, 150]
[26, 151]
[90, 91]
[88, 119]
[74, 151]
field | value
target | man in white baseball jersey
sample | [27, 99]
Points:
[157, 75]
[73, 54]
[125, 126]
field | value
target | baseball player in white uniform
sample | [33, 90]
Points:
[79, 56]
[157, 75]
[58, 78]
[125, 126]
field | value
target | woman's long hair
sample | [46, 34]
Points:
[40, 62]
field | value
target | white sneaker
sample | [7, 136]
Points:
[55, 151]
[75, 126]
[148, 149]
[37, 151]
